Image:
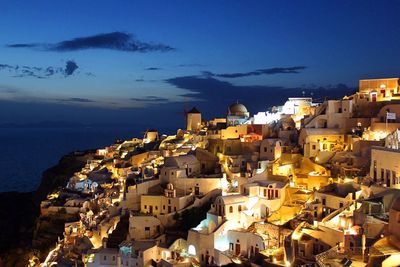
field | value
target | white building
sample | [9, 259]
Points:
[144, 227]
[164, 204]
[193, 120]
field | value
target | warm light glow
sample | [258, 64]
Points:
[191, 250]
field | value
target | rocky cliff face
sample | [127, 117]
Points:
[22, 230]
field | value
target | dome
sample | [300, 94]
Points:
[238, 109]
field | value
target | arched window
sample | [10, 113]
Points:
[191, 250]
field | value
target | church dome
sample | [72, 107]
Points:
[238, 109]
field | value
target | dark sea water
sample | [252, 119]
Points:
[26, 152]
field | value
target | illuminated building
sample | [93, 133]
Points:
[193, 120]
[385, 160]
[376, 90]
[237, 114]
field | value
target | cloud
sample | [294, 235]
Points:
[70, 68]
[8, 90]
[190, 65]
[22, 45]
[153, 68]
[214, 95]
[150, 99]
[90, 74]
[77, 100]
[20, 71]
[269, 71]
[119, 41]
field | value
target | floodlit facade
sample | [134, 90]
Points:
[298, 185]
[193, 120]
[385, 168]
[375, 90]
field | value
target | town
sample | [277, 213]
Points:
[302, 184]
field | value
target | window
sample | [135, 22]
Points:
[240, 208]
[315, 249]
[113, 258]
[324, 201]
[276, 193]
[105, 257]
[156, 207]
[163, 207]
[145, 206]
[340, 205]
[313, 147]
[169, 201]
[230, 209]
[147, 228]
[265, 149]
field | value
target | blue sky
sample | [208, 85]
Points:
[184, 53]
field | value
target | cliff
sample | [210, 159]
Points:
[23, 230]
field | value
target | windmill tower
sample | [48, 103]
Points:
[193, 120]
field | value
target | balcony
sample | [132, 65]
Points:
[334, 257]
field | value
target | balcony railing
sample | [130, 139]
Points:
[333, 255]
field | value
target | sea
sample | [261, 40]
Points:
[25, 152]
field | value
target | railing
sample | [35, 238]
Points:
[335, 254]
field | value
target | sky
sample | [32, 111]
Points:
[147, 61]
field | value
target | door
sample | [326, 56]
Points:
[387, 178]
[169, 209]
[237, 249]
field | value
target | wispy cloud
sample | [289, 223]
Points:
[119, 41]
[19, 71]
[150, 99]
[190, 65]
[77, 100]
[153, 68]
[269, 71]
